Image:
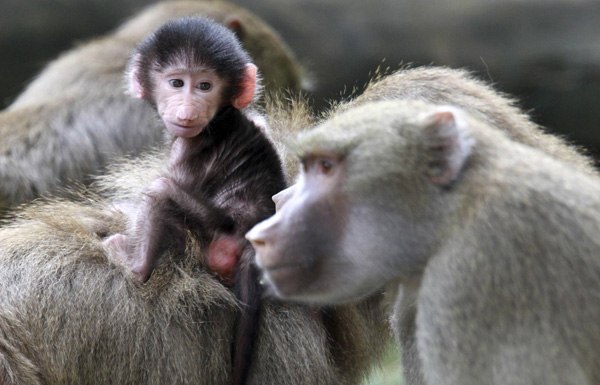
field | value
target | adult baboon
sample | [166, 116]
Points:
[492, 243]
[458, 88]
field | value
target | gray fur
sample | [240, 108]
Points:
[459, 88]
[449, 87]
[441, 85]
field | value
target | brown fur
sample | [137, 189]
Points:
[69, 315]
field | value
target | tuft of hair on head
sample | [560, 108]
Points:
[191, 42]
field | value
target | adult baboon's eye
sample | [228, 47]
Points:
[304, 163]
[204, 86]
[177, 83]
[325, 166]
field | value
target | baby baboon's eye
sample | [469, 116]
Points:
[204, 86]
[177, 83]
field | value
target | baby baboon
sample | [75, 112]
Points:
[496, 241]
[222, 169]
[73, 117]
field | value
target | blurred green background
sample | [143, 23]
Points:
[389, 372]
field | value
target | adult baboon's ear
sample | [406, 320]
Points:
[448, 144]
[244, 97]
[235, 25]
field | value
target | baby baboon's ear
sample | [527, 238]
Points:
[135, 87]
[246, 94]
[447, 143]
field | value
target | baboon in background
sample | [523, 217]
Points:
[496, 241]
[441, 85]
[69, 315]
[74, 117]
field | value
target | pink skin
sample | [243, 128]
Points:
[223, 256]
[187, 102]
